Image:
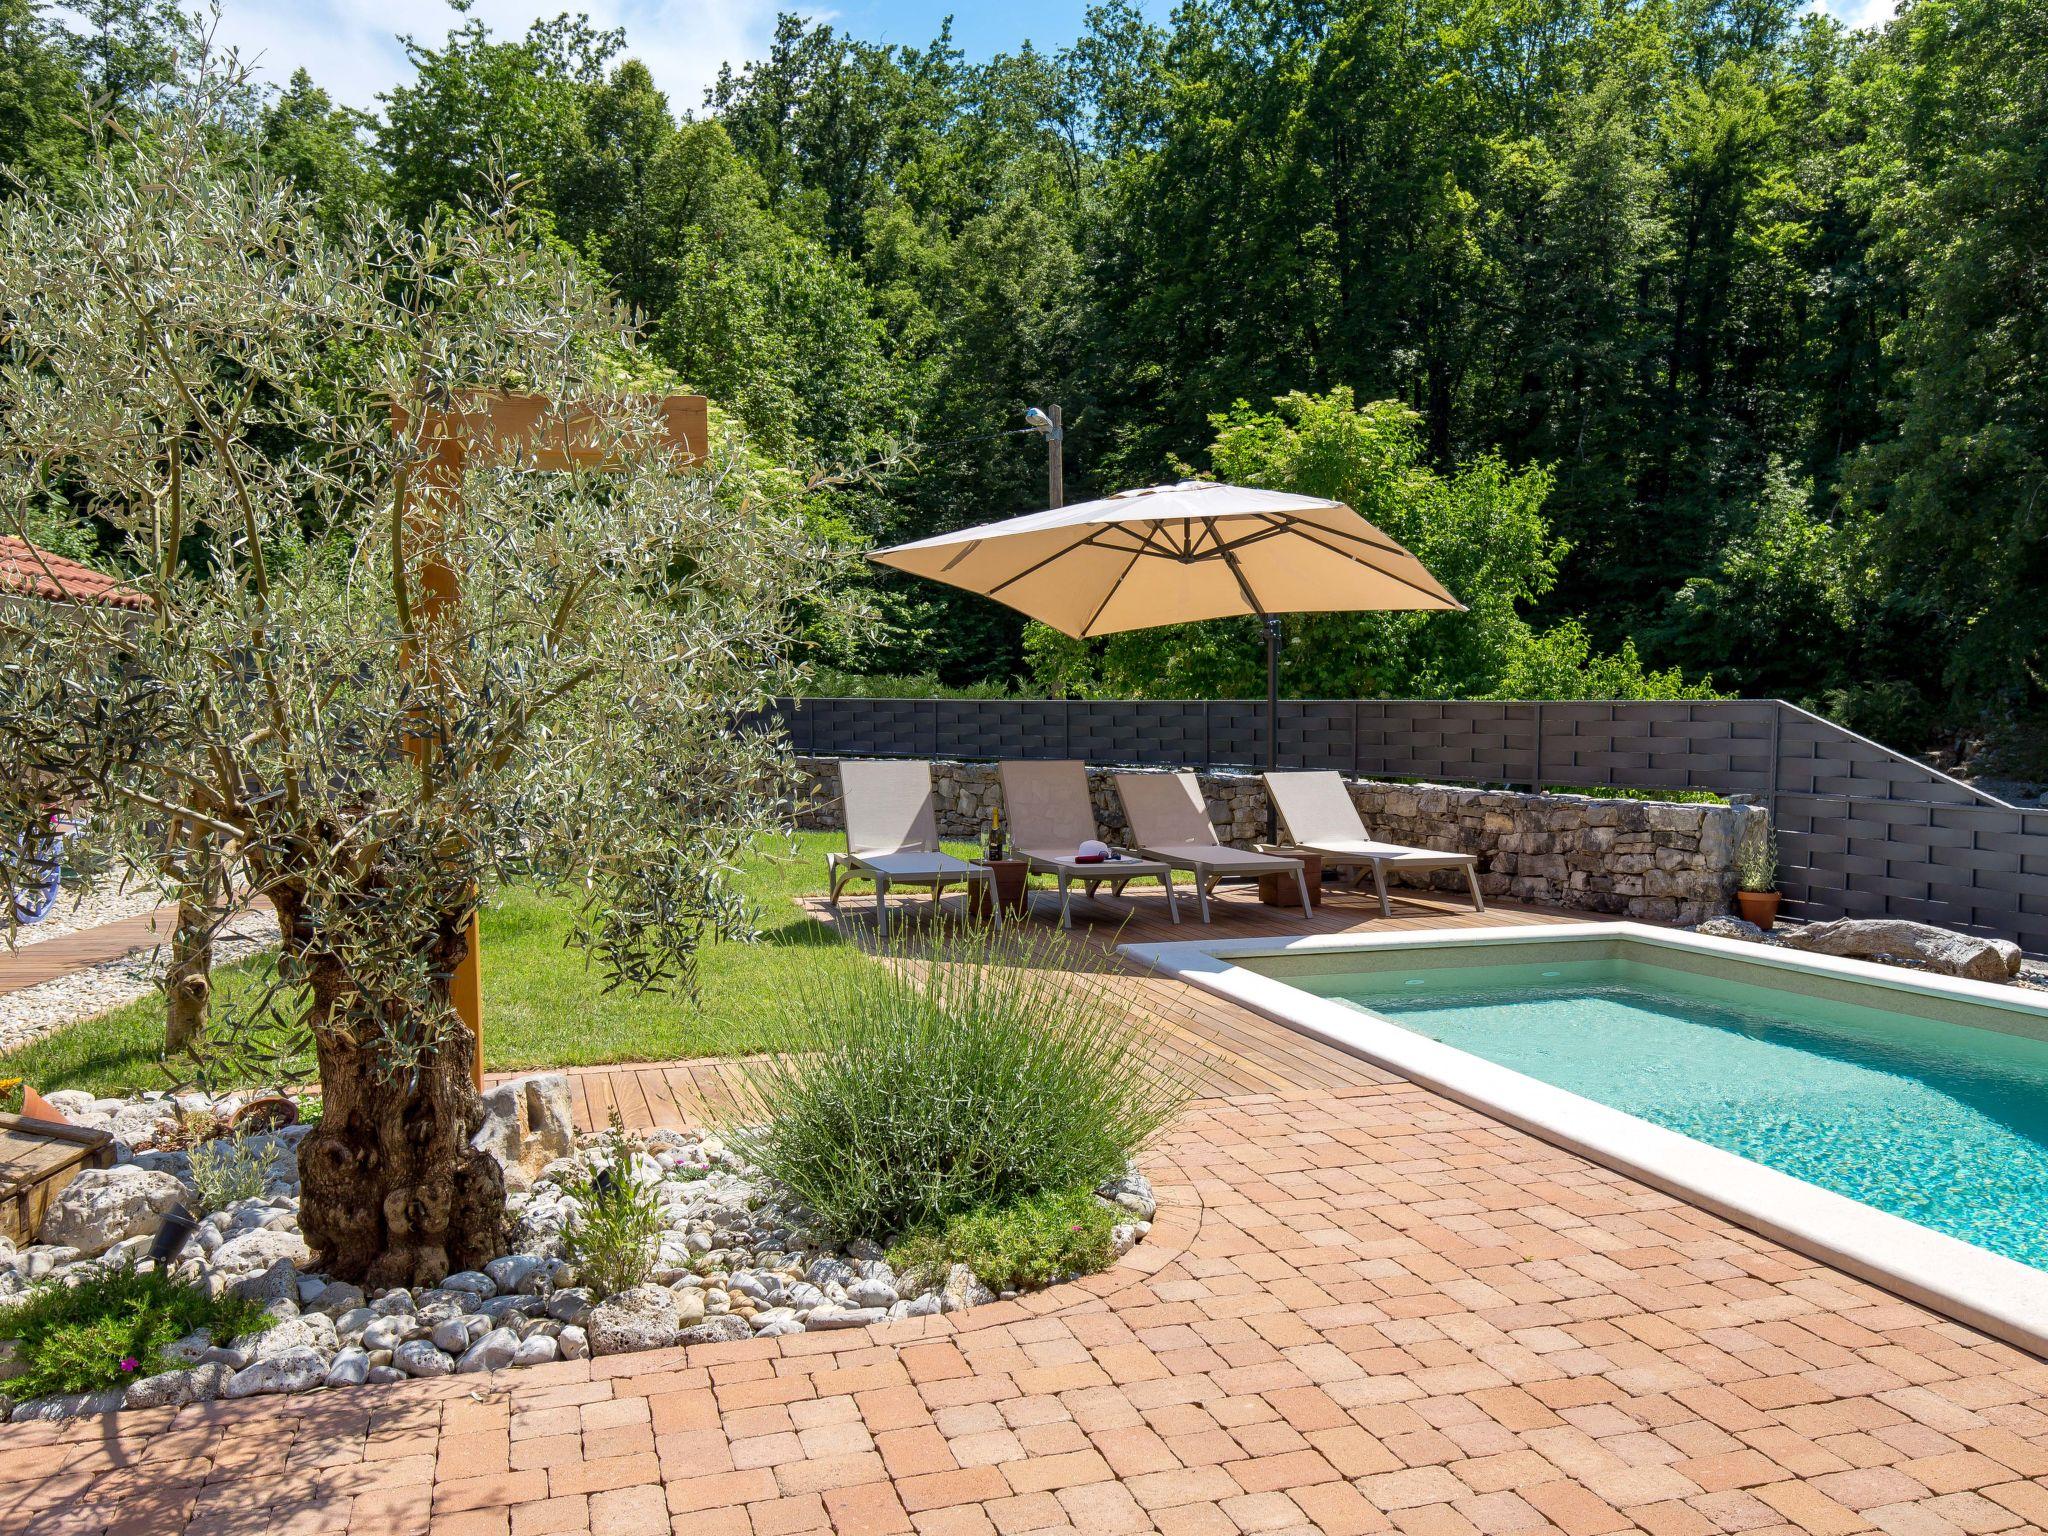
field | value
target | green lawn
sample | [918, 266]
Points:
[542, 1007]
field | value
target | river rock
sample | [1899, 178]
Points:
[388, 1332]
[69, 1405]
[518, 1271]
[294, 1333]
[571, 1304]
[451, 1334]
[727, 1328]
[573, 1342]
[641, 1318]
[338, 1299]
[963, 1289]
[493, 1352]
[277, 1282]
[104, 1206]
[867, 1292]
[351, 1368]
[537, 1349]
[1890, 938]
[173, 1389]
[296, 1370]
[417, 1357]
[1133, 1192]
[845, 1317]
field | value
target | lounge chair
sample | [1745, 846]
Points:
[1051, 816]
[892, 836]
[1170, 823]
[1318, 816]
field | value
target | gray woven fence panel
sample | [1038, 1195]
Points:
[1863, 831]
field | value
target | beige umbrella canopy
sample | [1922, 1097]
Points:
[1168, 554]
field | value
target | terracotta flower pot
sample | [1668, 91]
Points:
[1759, 907]
[272, 1112]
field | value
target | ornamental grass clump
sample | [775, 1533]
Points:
[974, 1072]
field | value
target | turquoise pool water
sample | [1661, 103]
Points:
[1941, 1123]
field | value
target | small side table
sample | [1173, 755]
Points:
[1012, 888]
[1279, 890]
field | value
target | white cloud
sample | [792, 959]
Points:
[351, 47]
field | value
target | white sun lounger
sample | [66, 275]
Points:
[1170, 823]
[892, 836]
[1318, 816]
[1051, 816]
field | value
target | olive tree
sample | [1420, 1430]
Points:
[362, 698]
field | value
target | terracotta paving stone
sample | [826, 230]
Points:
[1363, 1308]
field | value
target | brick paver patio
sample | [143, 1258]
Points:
[1362, 1309]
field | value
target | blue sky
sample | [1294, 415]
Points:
[351, 45]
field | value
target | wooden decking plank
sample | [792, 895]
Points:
[661, 1100]
[598, 1088]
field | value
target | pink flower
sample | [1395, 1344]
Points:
[130, 1363]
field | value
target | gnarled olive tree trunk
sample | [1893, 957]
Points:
[390, 1191]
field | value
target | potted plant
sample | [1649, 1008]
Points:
[1756, 878]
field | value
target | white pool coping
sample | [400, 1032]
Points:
[2002, 1296]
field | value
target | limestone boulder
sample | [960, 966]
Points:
[1726, 927]
[1938, 949]
[259, 1251]
[528, 1124]
[105, 1206]
[641, 1318]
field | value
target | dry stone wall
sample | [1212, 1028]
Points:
[1656, 860]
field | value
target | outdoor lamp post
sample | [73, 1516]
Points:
[1047, 425]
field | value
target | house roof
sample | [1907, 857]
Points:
[28, 571]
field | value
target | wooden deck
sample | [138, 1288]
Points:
[1226, 1050]
[33, 964]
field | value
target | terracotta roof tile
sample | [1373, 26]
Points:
[32, 572]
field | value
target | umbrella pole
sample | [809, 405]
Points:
[1272, 719]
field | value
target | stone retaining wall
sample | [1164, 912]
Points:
[1659, 861]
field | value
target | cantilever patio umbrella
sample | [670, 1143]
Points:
[1168, 554]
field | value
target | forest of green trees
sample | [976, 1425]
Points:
[1696, 343]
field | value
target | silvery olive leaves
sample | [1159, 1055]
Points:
[227, 390]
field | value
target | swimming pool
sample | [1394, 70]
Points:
[1888, 1120]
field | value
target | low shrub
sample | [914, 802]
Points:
[968, 1075]
[111, 1328]
[1034, 1243]
[615, 1234]
[227, 1170]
